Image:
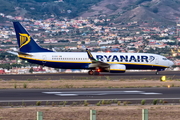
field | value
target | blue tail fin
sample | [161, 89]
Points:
[25, 41]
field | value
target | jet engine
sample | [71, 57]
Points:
[117, 68]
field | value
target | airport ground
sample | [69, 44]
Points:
[134, 112]
[71, 82]
[97, 83]
[82, 80]
[139, 75]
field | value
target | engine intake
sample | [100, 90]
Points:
[117, 68]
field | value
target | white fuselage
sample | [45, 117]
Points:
[80, 59]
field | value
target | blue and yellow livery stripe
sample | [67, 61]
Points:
[27, 58]
[136, 64]
[89, 62]
[117, 69]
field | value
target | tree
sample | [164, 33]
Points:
[83, 42]
[31, 70]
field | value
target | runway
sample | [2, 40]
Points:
[172, 75]
[135, 95]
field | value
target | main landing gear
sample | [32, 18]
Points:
[93, 72]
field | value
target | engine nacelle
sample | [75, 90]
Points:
[117, 68]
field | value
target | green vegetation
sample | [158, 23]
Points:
[31, 70]
[119, 102]
[161, 101]
[86, 103]
[141, 1]
[74, 103]
[24, 85]
[8, 57]
[155, 10]
[103, 102]
[53, 104]
[5, 55]
[67, 8]
[15, 86]
[40, 0]
[61, 103]
[47, 102]
[99, 103]
[112, 7]
[125, 103]
[155, 102]
[38, 103]
[6, 6]
[23, 104]
[64, 103]
[143, 102]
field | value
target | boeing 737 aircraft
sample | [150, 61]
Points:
[95, 62]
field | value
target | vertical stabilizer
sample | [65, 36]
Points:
[25, 42]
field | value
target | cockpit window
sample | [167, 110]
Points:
[164, 58]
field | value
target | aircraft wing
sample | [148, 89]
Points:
[96, 63]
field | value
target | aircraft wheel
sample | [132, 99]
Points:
[90, 72]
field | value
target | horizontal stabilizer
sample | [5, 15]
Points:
[24, 54]
[19, 53]
[14, 53]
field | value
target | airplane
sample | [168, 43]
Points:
[114, 62]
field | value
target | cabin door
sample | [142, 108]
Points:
[157, 60]
[44, 59]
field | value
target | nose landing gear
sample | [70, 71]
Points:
[157, 72]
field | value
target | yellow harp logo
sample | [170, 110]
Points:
[24, 39]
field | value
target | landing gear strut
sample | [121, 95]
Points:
[157, 72]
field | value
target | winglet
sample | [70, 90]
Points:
[90, 55]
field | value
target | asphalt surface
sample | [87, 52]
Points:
[91, 95]
[173, 75]
[135, 95]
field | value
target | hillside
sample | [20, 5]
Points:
[164, 11]
[42, 9]
[161, 11]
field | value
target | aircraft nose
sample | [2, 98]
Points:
[171, 63]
